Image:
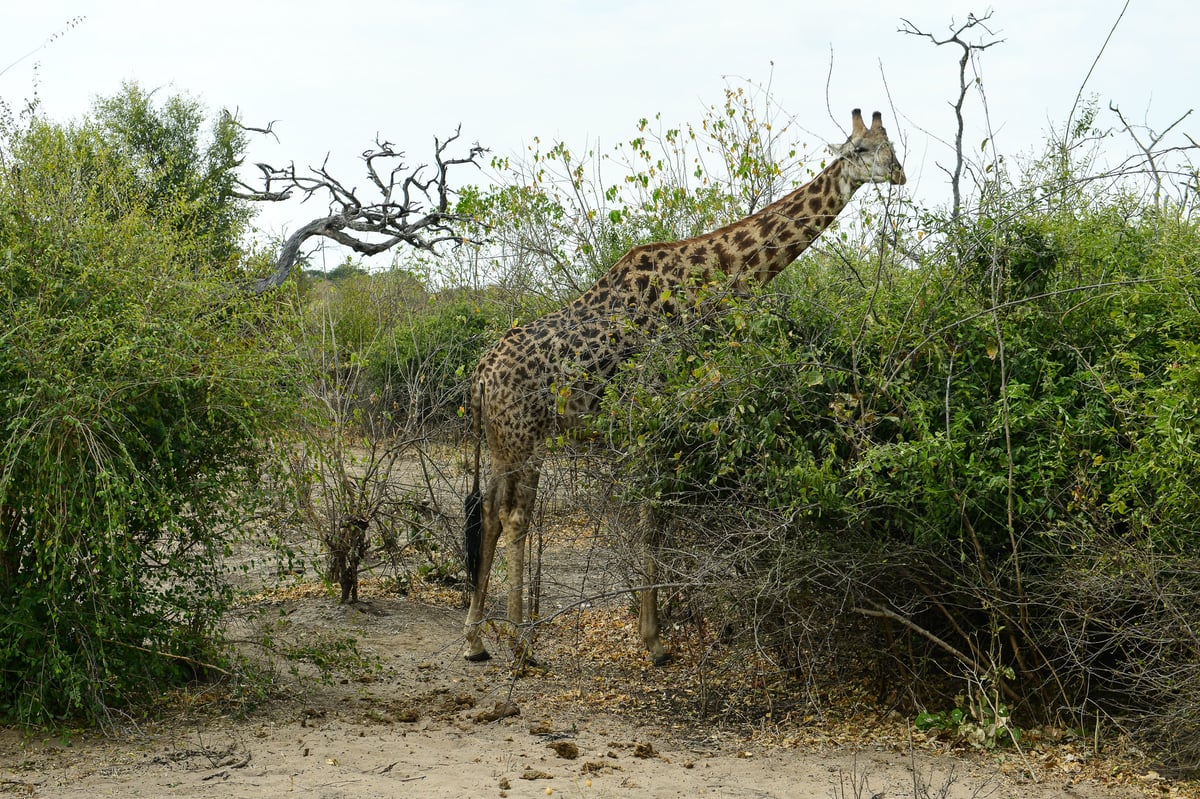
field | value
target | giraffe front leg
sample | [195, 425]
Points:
[475, 651]
[516, 532]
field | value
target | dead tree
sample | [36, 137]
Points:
[406, 205]
[969, 51]
[409, 205]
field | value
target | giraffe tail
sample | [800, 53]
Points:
[473, 536]
[473, 504]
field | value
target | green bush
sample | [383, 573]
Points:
[422, 368]
[999, 449]
[135, 387]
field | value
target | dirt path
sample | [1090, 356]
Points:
[424, 724]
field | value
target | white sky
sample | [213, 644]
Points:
[336, 75]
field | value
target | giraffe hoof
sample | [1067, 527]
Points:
[662, 660]
[478, 657]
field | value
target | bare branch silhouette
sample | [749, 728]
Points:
[1149, 148]
[969, 50]
[409, 205]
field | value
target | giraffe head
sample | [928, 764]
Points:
[868, 153]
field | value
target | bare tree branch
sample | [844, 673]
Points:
[969, 50]
[235, 118]
[408, 205]
[265, 194]
[1148, 150]
[885, 613]
[1091, 69]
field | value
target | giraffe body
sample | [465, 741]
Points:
[545, 378]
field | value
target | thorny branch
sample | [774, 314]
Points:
[411, 205]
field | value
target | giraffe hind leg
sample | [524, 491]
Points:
[648, 624]
[489, 528]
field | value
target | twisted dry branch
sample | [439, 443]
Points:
[412, 206]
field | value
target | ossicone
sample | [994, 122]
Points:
[857, 128]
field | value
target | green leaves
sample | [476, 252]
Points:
[184, 181]
[724, 398]
[136, 390]
[1000, 444]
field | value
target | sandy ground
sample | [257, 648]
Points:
[424, 723]
[402, 714]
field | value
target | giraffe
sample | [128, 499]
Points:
[545, 378]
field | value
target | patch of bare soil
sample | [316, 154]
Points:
[409, 717]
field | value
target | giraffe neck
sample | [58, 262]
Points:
[775, 236]
[652, 281]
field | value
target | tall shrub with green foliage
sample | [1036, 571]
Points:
[423, 368]
[994, 451]
[184, 174]
[136, 384]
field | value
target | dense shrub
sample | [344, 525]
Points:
[421, 369]
[135, 386]
[995, 450]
